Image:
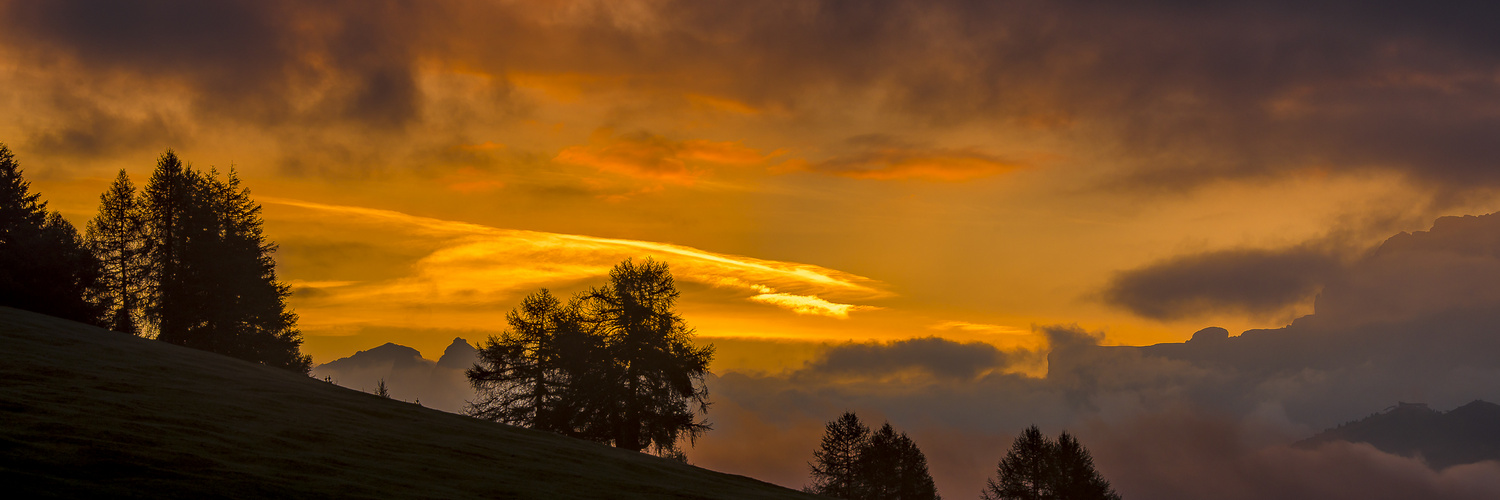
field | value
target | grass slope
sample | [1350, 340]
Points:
[85, 412]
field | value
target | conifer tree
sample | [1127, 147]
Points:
[1026, 471]
[116, 237]
[44, 266]
[656, 373]
[163, 202]
[1076, 476]
[536, 373]
[836, 463]
[614, 365]
[211, 279]
[890, 466]
[1037, 468]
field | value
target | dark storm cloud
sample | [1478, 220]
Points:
[1253, 281]
[1454, 266]
[1180, 93]
[250, 60]
[90, 131]
[1189, 92]
[939, 357]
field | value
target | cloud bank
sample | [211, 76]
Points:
[1180, 95]
[1214, 416]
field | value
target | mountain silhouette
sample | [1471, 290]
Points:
[459, 355]
[394, 355]
[407, 375]
[1467, 434]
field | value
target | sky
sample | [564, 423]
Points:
[889, 206]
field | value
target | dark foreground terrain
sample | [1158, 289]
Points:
[89, 413]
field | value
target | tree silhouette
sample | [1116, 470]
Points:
[538, 372]
[1076, 477]
[211, 281]
[614, 365]
[836, 463]
[163, 202]
[854, 464]
[1036, 468]
[657, 374]
[44, 266]
[116, 237]
[892, 467]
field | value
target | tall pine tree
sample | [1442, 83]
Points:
[44, 266]
[163, 203]
[116, 237]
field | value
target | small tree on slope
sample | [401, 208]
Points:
[835, 465]
[1036, 468]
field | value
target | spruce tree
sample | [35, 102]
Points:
[116, 237]
[211, 279]
[44, 266]
[163, 202]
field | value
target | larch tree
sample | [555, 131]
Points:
[1026, 471]
[536, 373]
[891, 466]
[1075, 473]
[116, 237]
[836, 464]
[657, 373]
[44, 266]
[615, 365]
[1037, 468]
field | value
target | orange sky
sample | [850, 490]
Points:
[1026, 174]
[421, 180]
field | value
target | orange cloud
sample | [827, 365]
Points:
[885, 158]
[809, 304]
[648, 156]
[468, 180]
[471, 264]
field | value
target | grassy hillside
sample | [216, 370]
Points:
[86, 412]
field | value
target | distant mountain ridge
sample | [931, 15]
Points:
[1467, 434]
[407, 375]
